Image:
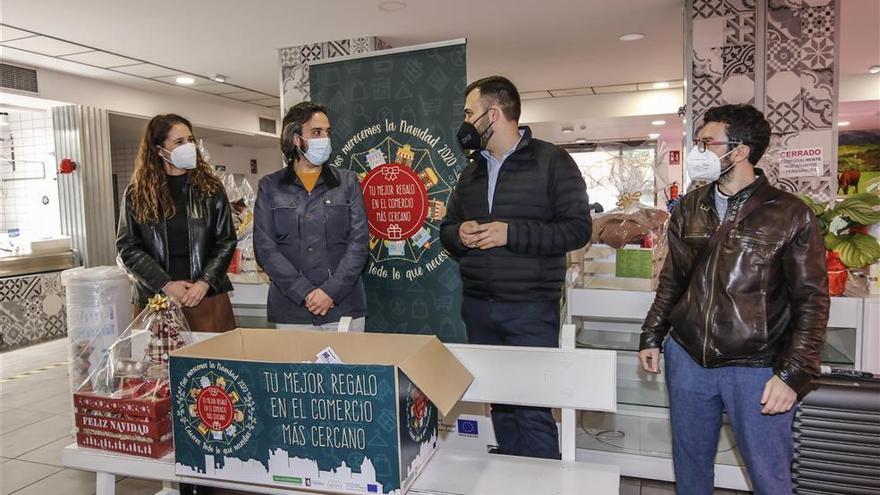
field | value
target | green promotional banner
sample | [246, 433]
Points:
[394, 117]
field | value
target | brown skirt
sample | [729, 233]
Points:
[213, 314]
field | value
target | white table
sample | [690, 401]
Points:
[450, 472]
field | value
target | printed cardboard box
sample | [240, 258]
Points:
[253, 406]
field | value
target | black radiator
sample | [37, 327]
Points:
[837, 439]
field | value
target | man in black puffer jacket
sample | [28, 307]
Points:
[520, 205]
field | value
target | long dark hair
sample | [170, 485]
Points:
[149, 188]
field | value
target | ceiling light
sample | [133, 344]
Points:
[632, 37]
[661, 85]
[653, 135]
[220, 78]
[391, 6]
[567, 129]
[843, 123]
[658, 122]
[185, 80]
[4, 119]
[874, 69]
[684, 133]
[581, 141]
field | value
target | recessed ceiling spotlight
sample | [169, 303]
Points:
[632, 37]
[185, 80]
[567, 129]
[658, 122]
[391, 6]
[661, 85]
[653, 135]
[874, 69]
[581, 141]
[843, 123]
[220, 78]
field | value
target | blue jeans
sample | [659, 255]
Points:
[520, 430]
[697, 399]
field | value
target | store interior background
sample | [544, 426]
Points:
[583, 87]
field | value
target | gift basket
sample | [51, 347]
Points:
[243, 268]
[628, 244]
[124, 405]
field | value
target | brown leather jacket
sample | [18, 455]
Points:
[759, 299]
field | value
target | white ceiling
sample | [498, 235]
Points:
[636, 128]
[127, 129]
[541, 45]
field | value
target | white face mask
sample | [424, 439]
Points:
[318, 151]
[706, 165]
[183, 157]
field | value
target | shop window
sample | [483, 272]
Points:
[611, 169]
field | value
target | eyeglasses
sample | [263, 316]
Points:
[701, 145]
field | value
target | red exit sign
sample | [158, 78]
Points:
[674, 157]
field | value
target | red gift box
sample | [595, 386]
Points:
[153, 450]
[153, 430]
[140, 427]
[132, 407]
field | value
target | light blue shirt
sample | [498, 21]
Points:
[493, 167]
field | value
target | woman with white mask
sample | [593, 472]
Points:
[310, 230]
[175, 233]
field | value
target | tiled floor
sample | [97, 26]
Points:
[36, 423]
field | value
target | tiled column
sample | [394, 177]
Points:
[295, 63]
[779, 55]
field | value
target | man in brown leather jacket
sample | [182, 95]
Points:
[746, 308]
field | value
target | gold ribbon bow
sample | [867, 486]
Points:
[628, 200]
[158, 303]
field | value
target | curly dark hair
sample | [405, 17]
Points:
[745, 124]
[150, 196]
[292, 125]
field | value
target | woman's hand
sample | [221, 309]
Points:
[177, 289]
[195, 294]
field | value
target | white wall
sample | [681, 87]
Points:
[202, 110]
[568, 108]
[237, 159]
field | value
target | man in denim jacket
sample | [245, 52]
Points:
[310, 229]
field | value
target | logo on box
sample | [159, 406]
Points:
[468, 427]
[371, 488]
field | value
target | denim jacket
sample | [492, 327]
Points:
[309, 240]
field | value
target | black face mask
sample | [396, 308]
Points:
[472, 139]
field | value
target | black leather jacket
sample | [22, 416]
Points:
[143, 248]
[759, 299]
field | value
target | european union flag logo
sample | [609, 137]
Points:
[468, 427]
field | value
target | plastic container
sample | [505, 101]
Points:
[98, 311]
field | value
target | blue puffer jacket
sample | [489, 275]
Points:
[306, 241]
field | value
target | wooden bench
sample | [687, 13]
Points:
[566, 378]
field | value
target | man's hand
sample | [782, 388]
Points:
[650, 359]
[176, 290]
[493, 235]
[318, 302]
[468, 232]
[195, 294]
[778, 397]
